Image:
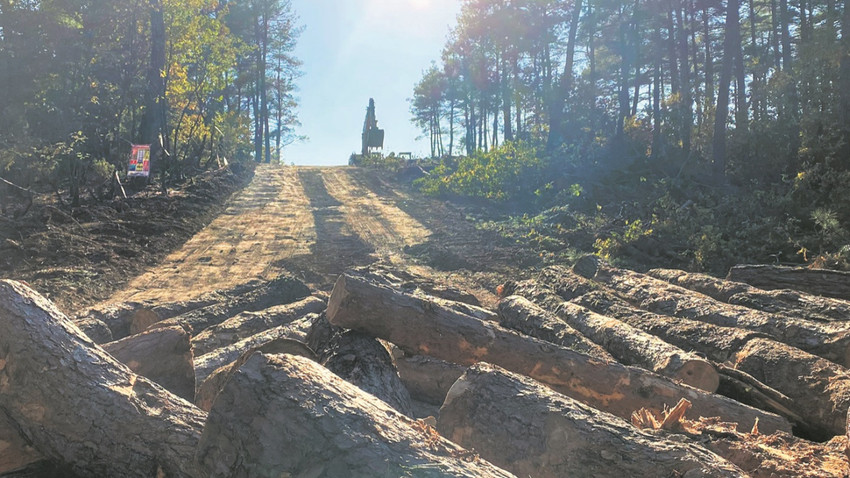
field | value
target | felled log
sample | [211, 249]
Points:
[797, 375]
[95, 329]
[365, 363]
[787, 302]
[213, 385]
[78, 405]
[743, 387]
[116, 316]
[428, 379]
[282, 290]
[162, 355]
[209, 362]
[132, 317]
[823, 282]
[522, 315]
[627, 344]
[632, 346]
[819, 387]
[247, 324]
[418, 326]
[829, 341]
[316, 424]
[521, 426]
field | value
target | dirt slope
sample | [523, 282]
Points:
[316, 222]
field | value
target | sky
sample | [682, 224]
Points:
[354, 50]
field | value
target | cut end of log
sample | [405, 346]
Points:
[587, 266]
[699, 374]
[142, 320]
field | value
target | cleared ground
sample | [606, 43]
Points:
[316, 222]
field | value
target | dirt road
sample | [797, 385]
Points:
[316, 222]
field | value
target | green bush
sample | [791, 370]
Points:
[513, 170]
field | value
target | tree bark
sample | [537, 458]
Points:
[94, 329]
[282, 290]
[820, 389]
[364, 362]
[327, 426]
[813, 386]
[214, 384]
[247, 324]
[428, 379]
[209, 362]
[78, 405]
[790, 303]
[161, 355]
[632, 346]
[522, 315]
[731, 43]
[518, 424]
[628, 344]
[829, 341]
[363, 301]
[132, 317]
[827, 283]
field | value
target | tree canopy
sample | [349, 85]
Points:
[726, 97]
[82, 80]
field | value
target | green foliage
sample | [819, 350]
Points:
[510, 171]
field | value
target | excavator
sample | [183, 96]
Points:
[373, 137]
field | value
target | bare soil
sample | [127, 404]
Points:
[310, 222]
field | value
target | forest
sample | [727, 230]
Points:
[697, 132]
[204, 82]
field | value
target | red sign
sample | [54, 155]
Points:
[140, 160]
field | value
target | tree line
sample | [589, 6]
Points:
[736, 85]
[718, 130]
[202, 81]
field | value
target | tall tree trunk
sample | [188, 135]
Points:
[709, 59]
[565, 87]
[153, 123]
[685, 103]
[722, 110]
[656, 96]
[844, 82]
[507, 87]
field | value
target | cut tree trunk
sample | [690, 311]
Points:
[216, 381]
[247, 324]
[363, 302]
[78, 405]
[365, 363]
[814, 281]
[162, 355]
[316, 424]
[282, 290]
[628, 345]
[117, 317]
[132, 317]
[790, 303]
[632, 346]
[820, 388]
[830, 341]
[518, 424]
[522, 315]
[95, 329]
[209, 362]
[800, 376]
[428, 379]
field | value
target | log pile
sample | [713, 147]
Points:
[570, 376]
